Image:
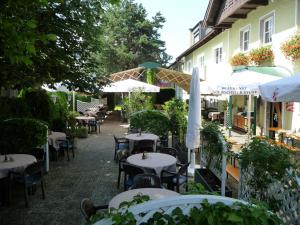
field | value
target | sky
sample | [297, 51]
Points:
[180, 15]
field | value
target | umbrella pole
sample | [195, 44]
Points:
[249, 116]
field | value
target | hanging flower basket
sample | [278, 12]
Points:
[291, 48]
[262, 56]
[239, 59]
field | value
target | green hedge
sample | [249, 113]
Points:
[19, 135]
[152, 121]
[13, 107]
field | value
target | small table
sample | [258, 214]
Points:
[54, 136]
[85, 118]
[137, 137]
[153, 193]
[156, 161]
[19, 163]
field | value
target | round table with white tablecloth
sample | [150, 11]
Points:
[144, 136]
[86, 119]
[153, 193]
[15, 162]
[54, 137]
[156, 161]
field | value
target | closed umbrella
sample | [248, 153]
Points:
[283, 90]
[194, 117]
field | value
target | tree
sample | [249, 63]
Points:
[48, 41]
[128, 38]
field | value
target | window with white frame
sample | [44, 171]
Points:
[267, 28]
[201, 61]
[218, 55]
[245, 38]
[189, 66]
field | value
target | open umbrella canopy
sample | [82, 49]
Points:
[283, 90]
[130, 85]
[242, 82]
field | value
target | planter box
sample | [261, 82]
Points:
[210, 181]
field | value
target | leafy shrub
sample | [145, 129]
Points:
[18, 135]
[176, 110]
[150, 120]
[265, 161]
[13, 107]
[212, 144]
[80, 132]
[40, 104]
[138, 101]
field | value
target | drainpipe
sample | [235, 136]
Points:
[229, 116]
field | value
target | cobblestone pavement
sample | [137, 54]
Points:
[92, 173]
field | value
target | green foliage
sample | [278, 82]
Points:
[19, 135]
[13, 107]
[198, 189]
[266, 162]
[122, 217]
[40, 104]
[208, 214]
[176, 110]
[152, 121]
[80, 132]
[211, 141]
[130, 38]
[138, 101]
[45, 41]
[164, 95]
[150, 74]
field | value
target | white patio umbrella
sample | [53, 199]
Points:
[283, 90]
[130, 85]
[242, 82]
[194, 117]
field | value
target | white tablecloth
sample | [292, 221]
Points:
[85, 118]
[19, 163]
[153, 193]
[157, 161]
[54, 136]
[144, 136]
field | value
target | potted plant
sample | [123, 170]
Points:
[239, 59]
[212, 150]
[291, 48]
[262, 56]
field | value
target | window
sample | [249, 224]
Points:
[267, 28]
[218, 55]
[245, 38]
[188, 67]
[201, 61]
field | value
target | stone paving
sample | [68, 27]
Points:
[92, 173]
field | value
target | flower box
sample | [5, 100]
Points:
[262, 56]
[291, 48]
